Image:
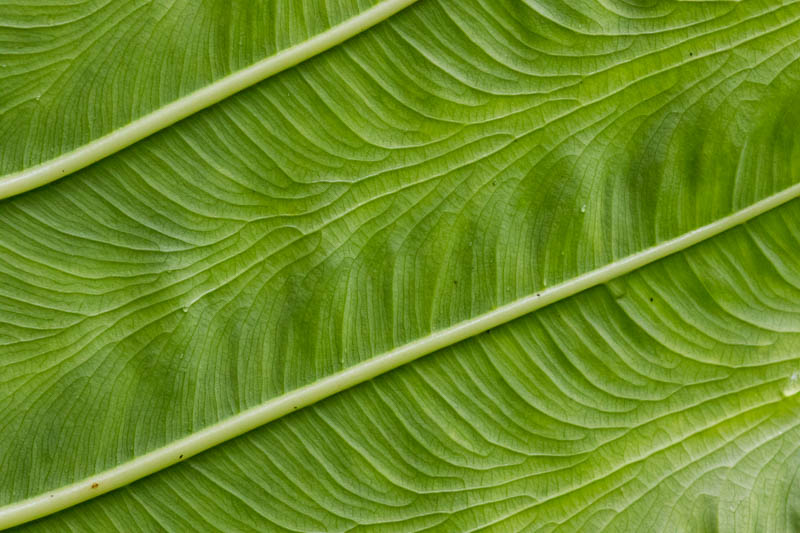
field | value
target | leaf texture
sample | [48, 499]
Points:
[73, 72]
[663, 401]
[453, 159]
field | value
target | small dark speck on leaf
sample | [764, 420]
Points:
[180, 456]
[690, 53]
[94, 485]
[651, 298]
[295, 407]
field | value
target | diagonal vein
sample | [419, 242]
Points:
[278, 407]
[59, 167]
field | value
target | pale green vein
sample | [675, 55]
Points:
[147, 125]
[230, 428]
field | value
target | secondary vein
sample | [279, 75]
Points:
[275, 408]
[66, 164]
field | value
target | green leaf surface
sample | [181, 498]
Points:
[572, 175]
[74, 72]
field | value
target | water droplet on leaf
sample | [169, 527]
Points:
[792, 386]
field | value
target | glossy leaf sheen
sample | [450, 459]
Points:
[459, 156]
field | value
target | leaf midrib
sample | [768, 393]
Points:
[192, 103]
[225, 430]
[287, 403]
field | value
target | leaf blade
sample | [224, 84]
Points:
[490, 433]
[208, 234]
[193, 102]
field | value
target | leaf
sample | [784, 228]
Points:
[47, 62]
[585, 210]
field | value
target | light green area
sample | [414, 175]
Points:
[664, 401]
[72, 72]
[458, 157]
[123, 135]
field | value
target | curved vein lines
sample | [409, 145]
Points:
[168, 311]
[776, 261]
[555, 405]
[620, 344]
[408, 173]
[627, 385]
[744, 288]
[459, 445]
[230, 488]
[302, 485]
[636, 463]
[398, 474]
[171, 113]
[467, 404]
[712, 452]
[576, 390]
[331, 479]
[488, 398]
